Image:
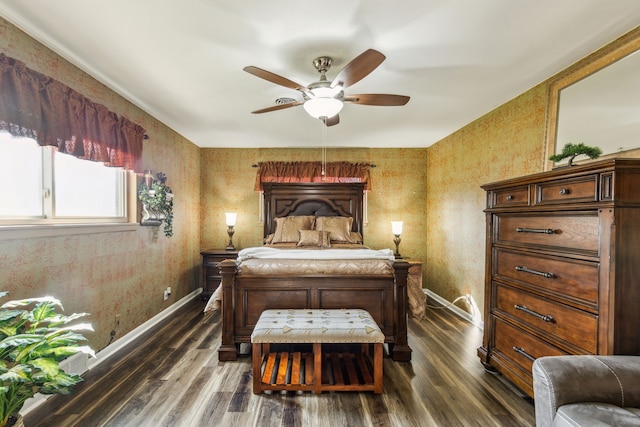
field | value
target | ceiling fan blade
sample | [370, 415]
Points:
[278, 107]
[332, 121]
[377, 99]
[274, 78]
[358, 68]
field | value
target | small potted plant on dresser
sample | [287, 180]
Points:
[571, 151]
[34, 339]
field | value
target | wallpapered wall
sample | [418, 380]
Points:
[110, 273]
[505, 143]
[398, 192]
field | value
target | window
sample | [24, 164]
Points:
[98, 193]
[42, 186]
[21, 175]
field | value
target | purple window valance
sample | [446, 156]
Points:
[39, 107]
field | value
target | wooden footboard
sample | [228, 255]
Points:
[245, 297]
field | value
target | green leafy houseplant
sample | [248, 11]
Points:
[157, 205]
[33, 342]
[573, 150]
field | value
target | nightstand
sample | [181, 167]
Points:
[417, 297]
[211, 274]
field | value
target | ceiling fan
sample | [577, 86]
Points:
[324, 99]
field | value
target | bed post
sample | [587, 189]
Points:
[228, 350]
[400, 351]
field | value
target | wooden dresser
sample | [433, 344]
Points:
[562, 266]
[415, 293]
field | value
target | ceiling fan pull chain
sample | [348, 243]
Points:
[324, 147]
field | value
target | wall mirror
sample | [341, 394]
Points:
[596, 101]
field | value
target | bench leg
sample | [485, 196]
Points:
[377, 368]
[317, 368]
[256, 363]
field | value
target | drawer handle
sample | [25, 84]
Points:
[509, 197]
[544, 317]
[535, 230]
[546, 274]
[564, 191]
[524, 353]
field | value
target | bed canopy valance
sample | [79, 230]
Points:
[292, 172]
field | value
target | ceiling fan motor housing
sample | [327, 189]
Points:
[322, 64]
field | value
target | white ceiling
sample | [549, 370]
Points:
[181, 61]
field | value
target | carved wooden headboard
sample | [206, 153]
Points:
[312, 198]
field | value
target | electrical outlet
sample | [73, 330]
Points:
[167, 292]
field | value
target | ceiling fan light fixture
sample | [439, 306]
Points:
[323, 98]
[322, 107]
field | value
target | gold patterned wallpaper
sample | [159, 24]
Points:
[398, 192]
[505, 143]
[106, 274]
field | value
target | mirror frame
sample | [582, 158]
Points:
[614, 51]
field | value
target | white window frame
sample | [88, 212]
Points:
[50, 225]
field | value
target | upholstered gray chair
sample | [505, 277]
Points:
[587, 390]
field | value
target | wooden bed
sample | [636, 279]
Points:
[246, 296]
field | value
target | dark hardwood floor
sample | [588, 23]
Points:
[172, 377]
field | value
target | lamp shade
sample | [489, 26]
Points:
[396, 228]
[231, 218]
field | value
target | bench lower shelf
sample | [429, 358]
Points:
[296, 370]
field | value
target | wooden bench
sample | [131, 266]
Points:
[321, 369]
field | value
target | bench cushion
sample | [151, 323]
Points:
[316, 326]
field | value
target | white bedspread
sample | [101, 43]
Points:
[277, 253]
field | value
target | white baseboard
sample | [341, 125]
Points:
[137, 332]
[474, 318]
[80, 363]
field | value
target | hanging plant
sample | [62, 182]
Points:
[157, 204]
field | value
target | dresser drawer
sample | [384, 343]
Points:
[565, 277]
[570, 190]
[520, 347]
[577, 328]
[214, 259]
[516, 196]
[570, 231]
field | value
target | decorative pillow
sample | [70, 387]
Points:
[287, 228]
[268, 239]
[338, 226]
[314, 238]
[325, 239]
